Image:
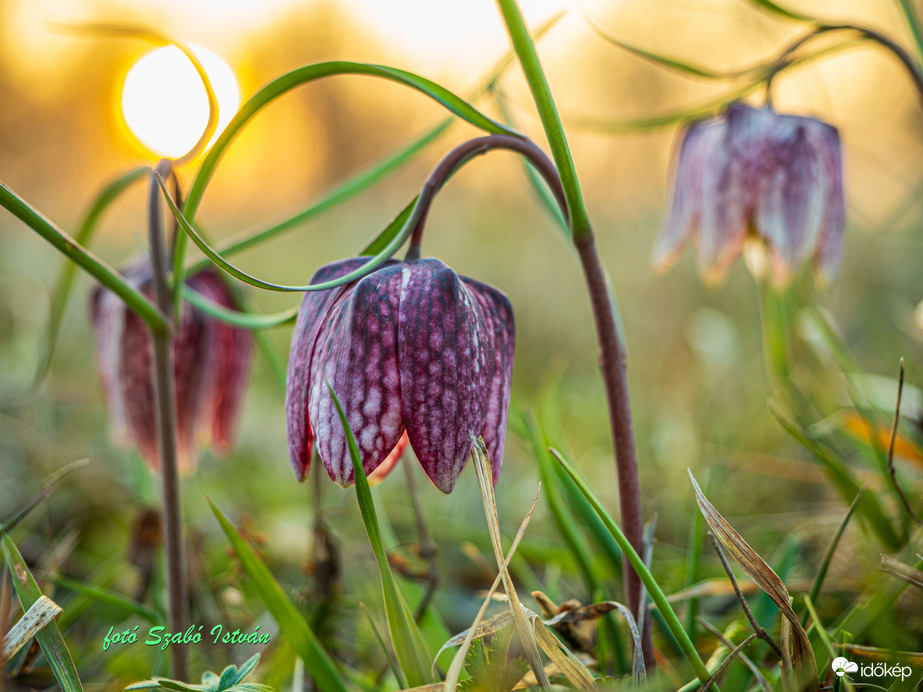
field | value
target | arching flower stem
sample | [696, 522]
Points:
[466, 151]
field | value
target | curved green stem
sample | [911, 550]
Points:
[913, 21]
[136, 301]
[244, 320]
[295, 78]
[548, 112]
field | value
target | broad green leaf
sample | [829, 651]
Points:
[49, 638]
[291, 623]
[405, 635]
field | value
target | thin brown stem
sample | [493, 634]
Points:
[427, 545]
[891, 470]
[615, 380]
[913, 69]
[757, 629]
[742, 656]
[466, 151]
[165, 395]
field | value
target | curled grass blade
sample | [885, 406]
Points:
[368, 176]
[244, 320]
[49, 638]
[658, 598]
[136, 301]
[221, 263]
[291, 622]
[158, 38]
[303, 75]
[405, 636]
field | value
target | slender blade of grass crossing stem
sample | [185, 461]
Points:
[42, 612]
[526, 633]
[291, 622]
[405, 635]
[49, 638]
[451, 680]
[656, 593]
[803, 674]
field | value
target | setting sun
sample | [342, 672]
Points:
[164, 102]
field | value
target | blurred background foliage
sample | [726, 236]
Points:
[697, 374]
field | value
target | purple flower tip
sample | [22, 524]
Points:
[211, 365]
[411, 349]
[753, 173]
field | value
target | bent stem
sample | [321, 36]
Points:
[612, 361]
[165, 397]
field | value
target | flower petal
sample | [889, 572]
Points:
[829, 241]
[357, 354]
[228, 364]
[500, 337]
[443, 347]
[312, 317]
[686, 205]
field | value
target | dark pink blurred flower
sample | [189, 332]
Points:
[412, 347]
[752, 173]
[211, 364]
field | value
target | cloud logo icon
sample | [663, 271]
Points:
[841, 666]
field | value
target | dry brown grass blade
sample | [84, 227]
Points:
[889, 655]
[803, 669]
[458, 662]
[719, 671]
[569, 665]
[901, 571]
[43, 611]
[526, 632]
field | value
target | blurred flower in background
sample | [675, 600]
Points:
[211, 366]
[752, 174]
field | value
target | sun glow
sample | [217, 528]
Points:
[164, 102]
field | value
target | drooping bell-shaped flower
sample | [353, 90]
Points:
[410, 349]
[752, 174]
[211, 365]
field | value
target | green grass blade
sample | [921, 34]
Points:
[304, 75]
[368, 267]
[136, 301]
[84, 234]
[391, 231]
[828, 555]
[49, 638]
[780, 11]
[405, 635]
[244, 320]
[368, 176]
[657, 595]
[291, 622]
[844, 480]
[109, 597]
